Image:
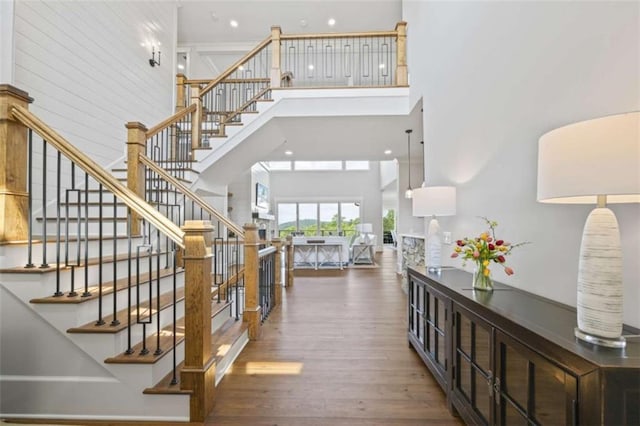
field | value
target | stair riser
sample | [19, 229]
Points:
[43, 284]
[93, 226]
[16, 255]
[103, 346]
[75, 211]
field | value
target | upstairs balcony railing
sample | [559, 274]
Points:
[332, 60]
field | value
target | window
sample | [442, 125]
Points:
[278, 165]
[308, 218]
[356, 165]
[320, 219]
[318, 165]
[350, 217]
[329, 219]
[287, 218]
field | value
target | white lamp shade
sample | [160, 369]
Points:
[578, 162]
[364, 228]
[434, 201]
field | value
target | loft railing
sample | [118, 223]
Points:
[366, 59]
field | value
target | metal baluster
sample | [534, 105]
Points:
[58, 293]
[44, 263]
[174, 378]
[115, 320]
[129, 350]
[86, 231]
[30, 203]
[158, 349]
[73, 292]
[100, 320]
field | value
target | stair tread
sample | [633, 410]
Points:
[166, 300]
[166, 341]
[223, 338]
[107, 288]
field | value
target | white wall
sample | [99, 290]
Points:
[6, 41]
[241, 199]
[406, 223]
[363, 186]
[84, 64]
[495, 76]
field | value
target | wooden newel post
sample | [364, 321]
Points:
[289, 265]
[275, 56]
[14, 199]
[196, 118]
[402, 77]
[136, 145]
[199, 371]
[277, 243]
[180, 89]
[252, 308]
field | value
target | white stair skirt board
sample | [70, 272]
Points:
[600, 276]
[231, 355]
[46, 375]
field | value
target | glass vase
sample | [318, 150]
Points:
[482, 280]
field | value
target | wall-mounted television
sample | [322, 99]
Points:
[262, 196]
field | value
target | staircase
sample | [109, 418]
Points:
[125, 287]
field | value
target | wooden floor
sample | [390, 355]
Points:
[334, 353]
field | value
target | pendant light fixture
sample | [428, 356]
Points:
[409, 192]
[424, 166]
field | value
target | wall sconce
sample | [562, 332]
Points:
[153, 61]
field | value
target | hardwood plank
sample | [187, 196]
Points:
[334, 353]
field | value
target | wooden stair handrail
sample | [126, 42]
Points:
[246, 104]
[171, 120]
[339, 35]
[189, 193]
[128, 197]
[235, 66]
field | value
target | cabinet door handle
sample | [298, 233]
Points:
[490, 383]
[496, 389]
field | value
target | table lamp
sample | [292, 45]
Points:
[434, 201]
[595, 162]
[365, 229]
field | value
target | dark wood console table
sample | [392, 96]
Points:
[510, 357]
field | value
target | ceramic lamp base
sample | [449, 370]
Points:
[433, 255]
[600, 301]
[619, 342]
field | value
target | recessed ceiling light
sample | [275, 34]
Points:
[233, 23]
[387, 152]
[331, 22]
[241, 68]
[287, 152]
[310, 66]
[180, 66]
[381, 66]
[303, 23]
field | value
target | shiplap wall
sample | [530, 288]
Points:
[83, 63]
